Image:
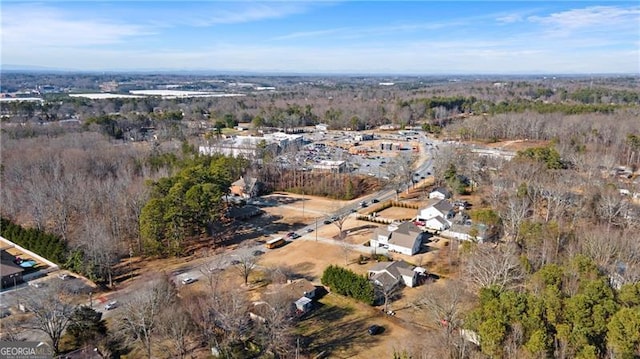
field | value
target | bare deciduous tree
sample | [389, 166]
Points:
[52, 311]
[514, 210]
[610, 207]
[492, 266]
[177, 327]
[247, 263]
[141, 316]
[388, 293]
[446, 306]
[275, 332]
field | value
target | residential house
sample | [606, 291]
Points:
[388, 274]
[438, 224]
[405, 238]
[437, 215]
[11, 272]
[299, 292]
[440, 193]
[322, 127]
[300, 288]
[464, 232]
[245, 187]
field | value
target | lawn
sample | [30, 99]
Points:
[338, 327]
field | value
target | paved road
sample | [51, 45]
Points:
[224, 260]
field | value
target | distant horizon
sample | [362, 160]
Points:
[213, 72]
[325, 37]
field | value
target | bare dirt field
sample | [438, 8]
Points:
[517, 145]
[299, 210]
[306, 258]
[398, 213]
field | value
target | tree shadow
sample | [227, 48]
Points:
[331, 340]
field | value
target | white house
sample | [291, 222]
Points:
[437, 215]
[388, 274]
[322, 127]
[405, 238]
[440, 193]
[437, 224]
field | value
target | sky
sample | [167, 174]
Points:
[326, 37]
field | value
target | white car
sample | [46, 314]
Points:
[188, 280]
[111, 305]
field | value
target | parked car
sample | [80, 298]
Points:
[326, 221]
[258, 252]
[188, 280]
[295, 236]
[37, 284]
[374, 329]
[111, 305]
[291, 234]
[375, 200]
[235, 261]
[309, 230]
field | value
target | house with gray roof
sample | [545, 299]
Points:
[437, 215]
[245, 187]
[388, 274]
[440, 193]
[405, 238]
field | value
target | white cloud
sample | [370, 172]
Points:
[243, 12]
[511, 18]
[28, 26]
[305, 34]
[604, 17]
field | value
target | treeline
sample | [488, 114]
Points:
[341, 186]
[45, 244]
[188, 204]
[346, 282]
[522, 105]
[564, 311]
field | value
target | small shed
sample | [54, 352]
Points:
[303, 305]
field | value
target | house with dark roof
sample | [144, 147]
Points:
[300, 293]
[437, 215]
[246, 187]
[300, 288]
[405, 238]
[440, 193]
[11, 273]
[389, 274]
